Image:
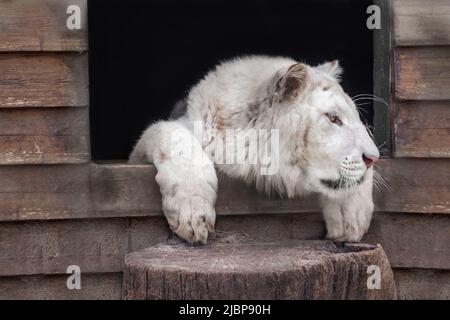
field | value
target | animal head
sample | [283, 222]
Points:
[327, 139]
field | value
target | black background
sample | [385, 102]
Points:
[146, 54]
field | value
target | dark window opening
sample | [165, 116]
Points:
[145, 55]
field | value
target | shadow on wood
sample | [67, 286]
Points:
[232, 266]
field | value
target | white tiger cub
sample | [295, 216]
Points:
[322, 146]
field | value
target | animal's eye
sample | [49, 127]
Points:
[334, 119]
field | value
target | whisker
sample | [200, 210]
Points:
[369, 97]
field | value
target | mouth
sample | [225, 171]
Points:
[342, 183]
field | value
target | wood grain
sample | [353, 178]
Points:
[101, 286]
[422, 284]
[412, 240]
[132, 189]
[99, 245]
[43, 80]
[44, 192]
[422, 129]
[238, 268]
[118, 190]
[44, 136]
[421, 23]
[30, 25]
[410, 283]
[422, 73]
[96, 246]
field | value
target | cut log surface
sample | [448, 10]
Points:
[234, 267]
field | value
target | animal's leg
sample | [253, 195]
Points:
[186, 177]
[348, 218]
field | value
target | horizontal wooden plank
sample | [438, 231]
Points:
[95, 246]
[43, 149]
[102, 286]
[410, 283]
[30, 25]
[414, 185]
[133, 191]
[420, 23]
[422, 73]
[99, 245]
[119, 190]
[44, 135]
[44, 192]
[422, 284]
[43, 80]
[411, 240]
[422, 129]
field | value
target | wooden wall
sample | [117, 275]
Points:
[58, 209]
[421, 120]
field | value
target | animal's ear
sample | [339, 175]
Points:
[332, 68]
[293, 82]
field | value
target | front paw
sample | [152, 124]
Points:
[192, 218]
[356, 220]
[347, 219]
[349, 230]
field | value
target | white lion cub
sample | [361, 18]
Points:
[312, 127]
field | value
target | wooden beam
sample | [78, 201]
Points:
[422, 284]
[99, 245]
[410, 283]
[412, 240]
[44, 135]
[44, 192]
[119, 190]
[132, 189]
[43, 80]
[101, 286]
[421, 23]
[422, 129]
[29, 25]
[422, 73]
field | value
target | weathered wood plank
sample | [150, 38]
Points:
[102, 286]
[421, 23]
[43, 149]
[99, 245]
[423, 284]
[422, 129]
[411, 240]
[95, 246]
[382, 79]
[117, 190]
[132, 190]
[414, 185]
[43, 80]
[422, 73]
[44, 136]
[125, 188]
[30, 25]
[44, 192]
[410, 283]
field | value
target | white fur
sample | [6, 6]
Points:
[265, 93]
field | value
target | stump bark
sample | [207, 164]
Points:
[235, 268]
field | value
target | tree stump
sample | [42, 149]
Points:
[233, 267]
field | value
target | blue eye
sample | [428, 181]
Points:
[334, 119]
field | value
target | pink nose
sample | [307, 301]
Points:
[369, 160]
